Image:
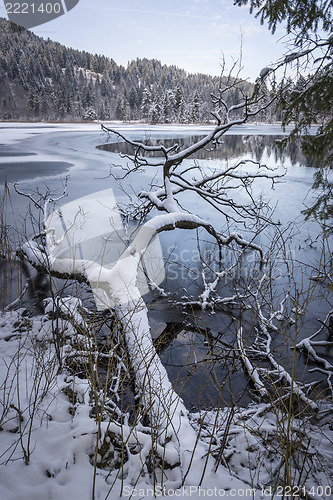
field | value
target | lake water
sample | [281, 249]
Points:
[197, 349]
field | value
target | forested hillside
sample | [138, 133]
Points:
[42, 79]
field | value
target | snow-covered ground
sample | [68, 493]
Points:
[48, 436]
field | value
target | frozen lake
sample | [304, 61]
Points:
[38, 154]
[38, 157]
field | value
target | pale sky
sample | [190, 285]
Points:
[191, 34]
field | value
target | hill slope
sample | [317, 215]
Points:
[42, 79]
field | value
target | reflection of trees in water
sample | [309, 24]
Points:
[232, 146]
[270, 145]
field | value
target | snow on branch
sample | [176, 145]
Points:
[214, 186]
[308, 345]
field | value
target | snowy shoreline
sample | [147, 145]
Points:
[63, 436]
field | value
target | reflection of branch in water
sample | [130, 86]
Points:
[170, 332]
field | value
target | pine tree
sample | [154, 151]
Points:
[145, 103]
[105, 110]
[309, 25]
[195, 108]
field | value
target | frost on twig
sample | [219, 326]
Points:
[308, 345]
[252, 370]
[262, 348]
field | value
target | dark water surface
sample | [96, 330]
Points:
[200, 350]
[19, 171]
[230, 146]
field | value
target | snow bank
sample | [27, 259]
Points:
[48, 434]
